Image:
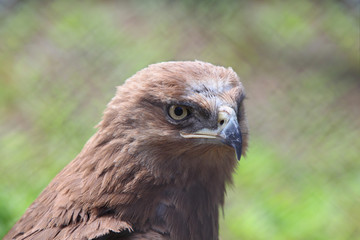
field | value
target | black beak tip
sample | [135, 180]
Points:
[236, 145]
[233, 138]
[238, 150]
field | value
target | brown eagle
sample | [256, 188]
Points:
[158, 164]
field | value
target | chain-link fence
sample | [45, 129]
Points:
[299, 61]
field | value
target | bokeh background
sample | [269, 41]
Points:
[299, 61]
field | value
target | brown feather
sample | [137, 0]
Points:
[137, 178]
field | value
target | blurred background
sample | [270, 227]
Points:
[298, 60]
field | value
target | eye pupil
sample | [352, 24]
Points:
[178, 111]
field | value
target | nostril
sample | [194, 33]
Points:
[221, 122]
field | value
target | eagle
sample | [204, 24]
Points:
[158, 165]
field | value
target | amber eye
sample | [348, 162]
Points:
[177, 112]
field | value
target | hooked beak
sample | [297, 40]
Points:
[228, 131]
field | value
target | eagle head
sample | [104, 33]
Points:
[181, 115]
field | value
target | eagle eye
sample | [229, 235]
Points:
[177, 112]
